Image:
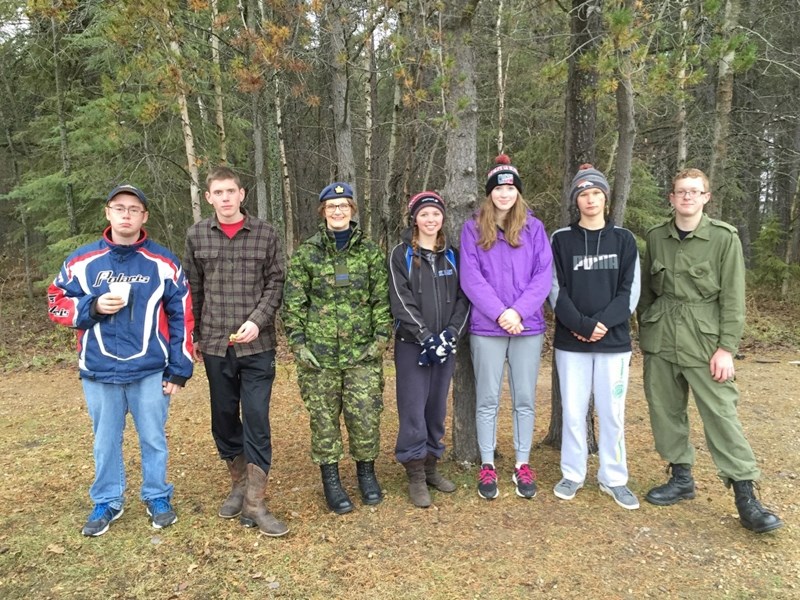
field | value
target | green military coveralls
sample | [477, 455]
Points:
[692, 303]
[336, 304]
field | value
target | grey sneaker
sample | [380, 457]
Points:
[566, 489]
[622, 496]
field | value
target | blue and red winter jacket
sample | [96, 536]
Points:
[151, 334]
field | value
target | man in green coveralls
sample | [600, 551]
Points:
[691, 316]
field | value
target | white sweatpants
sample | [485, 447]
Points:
[580, 374]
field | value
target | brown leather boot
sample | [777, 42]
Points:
[417, 488]
[232, 506]
[254, 510]
[434, 478]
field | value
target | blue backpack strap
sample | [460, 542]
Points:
[450, 255]
[409, 258]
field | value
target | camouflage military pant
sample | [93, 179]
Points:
[358, 393]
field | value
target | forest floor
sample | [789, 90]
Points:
[462, 547]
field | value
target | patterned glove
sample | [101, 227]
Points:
[428, 355]
[306, 358]
[373, 351]
[447, 345]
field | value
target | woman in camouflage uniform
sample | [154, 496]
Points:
[337, 320]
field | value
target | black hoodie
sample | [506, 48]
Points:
[428, 299]
[596, 279]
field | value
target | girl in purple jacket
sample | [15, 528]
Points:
[506, 272]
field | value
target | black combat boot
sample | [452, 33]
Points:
[679, 487]
[367, 482]
[335, 495]
[752, 515]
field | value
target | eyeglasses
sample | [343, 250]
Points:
[133, 211]
[689, 193]
[341, 206]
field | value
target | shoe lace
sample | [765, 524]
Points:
[487, 475]
[160, 505]
[526, 475]
[99, 510]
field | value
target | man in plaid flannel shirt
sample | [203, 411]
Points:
[235, 268]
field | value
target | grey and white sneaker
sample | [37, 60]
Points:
[566, 489]
[622, 496]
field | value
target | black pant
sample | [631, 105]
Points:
[245, 380]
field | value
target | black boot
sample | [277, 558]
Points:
[752, 515]
[679, 487]
[367, 482]
[335, 495]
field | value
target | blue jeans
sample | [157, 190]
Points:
[108, 404]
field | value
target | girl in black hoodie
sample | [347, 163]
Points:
[430, 313]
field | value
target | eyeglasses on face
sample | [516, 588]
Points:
[689, 193]
[133, 211]
[340, 206]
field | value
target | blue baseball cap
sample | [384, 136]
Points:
[338, 189]
[127, 189]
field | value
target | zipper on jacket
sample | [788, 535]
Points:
[432, 262]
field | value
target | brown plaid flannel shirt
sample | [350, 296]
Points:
[233, 281]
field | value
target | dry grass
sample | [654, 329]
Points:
[463, 547]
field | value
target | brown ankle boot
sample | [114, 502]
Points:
[417, 488]
[254, 510]
[434, 478]
[232, 506]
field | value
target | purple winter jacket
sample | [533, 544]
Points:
[505, 277]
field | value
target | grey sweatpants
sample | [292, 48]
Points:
[489, 356]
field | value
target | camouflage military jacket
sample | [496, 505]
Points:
[692, 299]
[336, 302]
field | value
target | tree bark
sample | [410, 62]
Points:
[579, 147]
[66, 159]
[460, 191]
[626, 130]
[342, 126]
[793, 231]
[580, 107]
[722, 113]
[262, 204]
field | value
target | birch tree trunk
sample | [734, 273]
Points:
[501, 82]
[274, 162]
[460, 190]
[288, 213]
[66, 159]
[370, 94]
[680, 118]
[186, 123]
[722, 112]
[219, 114]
